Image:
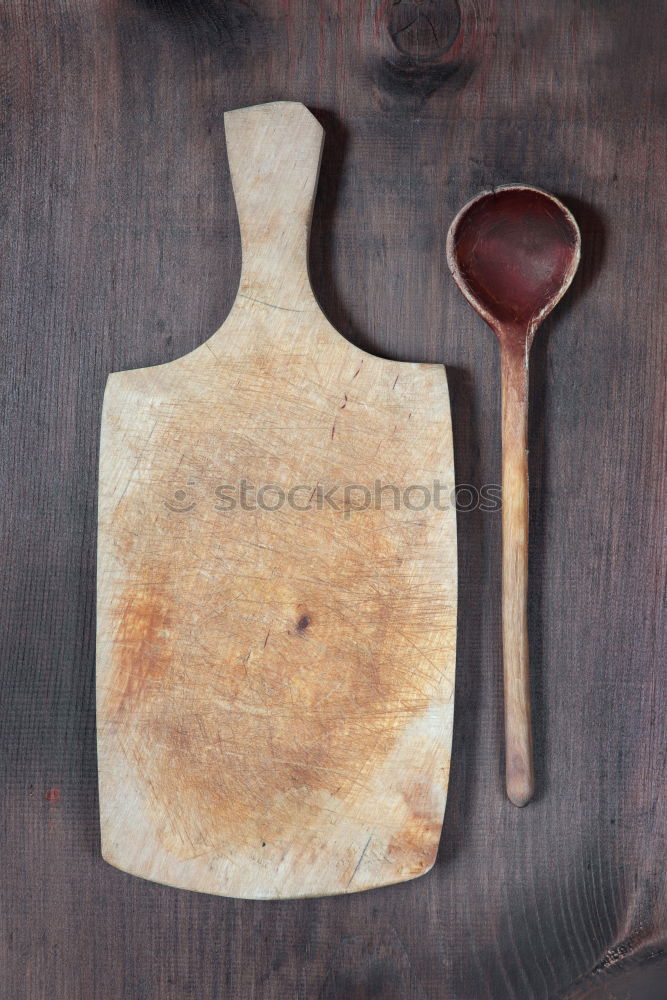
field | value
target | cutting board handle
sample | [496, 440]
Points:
[274, 155]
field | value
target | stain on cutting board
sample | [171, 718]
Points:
[257, 672]
[275, 676]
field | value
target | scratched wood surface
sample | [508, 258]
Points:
[121, 250]
[276, 600]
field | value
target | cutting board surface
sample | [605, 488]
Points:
[276, 598]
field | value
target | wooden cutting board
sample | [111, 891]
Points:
[276, 598]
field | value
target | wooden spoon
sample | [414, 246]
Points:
[513, 253]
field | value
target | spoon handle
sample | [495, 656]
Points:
[519, 777]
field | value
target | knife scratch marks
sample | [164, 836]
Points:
[358, 864]
[266, 665]
[139, 458]
[269, 305]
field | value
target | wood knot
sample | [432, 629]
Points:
[426, 45]
[303, 623]
[424, 29]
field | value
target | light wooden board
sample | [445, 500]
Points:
[275, 686]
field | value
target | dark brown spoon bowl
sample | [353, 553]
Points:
[513, 253]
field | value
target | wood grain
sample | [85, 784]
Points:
[519, 769]
[276, 599]
[513, 252]
[121, 249]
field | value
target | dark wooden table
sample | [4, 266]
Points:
[120, 249]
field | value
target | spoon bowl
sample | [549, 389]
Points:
[513, 253]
